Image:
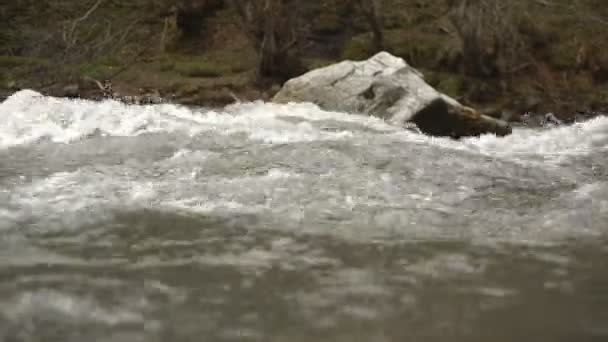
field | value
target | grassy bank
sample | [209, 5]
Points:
[553, 60]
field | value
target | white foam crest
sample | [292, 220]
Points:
[250, 198]
[311, 112]
[74, 199]
[71, 200]
[264, 122]
[29, 116]
[577, 139]
[527, 145]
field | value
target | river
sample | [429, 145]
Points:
[265, 222]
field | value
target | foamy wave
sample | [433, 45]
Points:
[74, 199]
[28, 116]
[543, 145]
[577, 139]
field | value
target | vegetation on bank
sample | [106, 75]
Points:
[504, 57]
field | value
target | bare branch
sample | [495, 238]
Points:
[69, 37]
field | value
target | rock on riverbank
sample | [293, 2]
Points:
[386, 86]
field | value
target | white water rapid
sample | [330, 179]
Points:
[266, 222]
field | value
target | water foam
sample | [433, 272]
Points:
[328, 184]
[578, 139]
[73, 200]
[29, 117]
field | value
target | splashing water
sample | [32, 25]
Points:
[269, 222]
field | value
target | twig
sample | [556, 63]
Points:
[234, 97]
[97, 82]
[70, 37]
[125, 33]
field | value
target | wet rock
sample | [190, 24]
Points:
[387, 87]
[71, 90]
[441, 119]
[143, 99]
[548, 120]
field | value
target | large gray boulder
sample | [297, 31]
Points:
[387, 87]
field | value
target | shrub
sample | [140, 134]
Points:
[489, 31]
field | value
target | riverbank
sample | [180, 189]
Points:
[201, 56]
[268, 222]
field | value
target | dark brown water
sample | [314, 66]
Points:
[287, 223]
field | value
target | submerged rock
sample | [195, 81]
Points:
[387, 87]
[548, 120]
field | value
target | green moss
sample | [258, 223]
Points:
[328, 22]
[14, 68]
[16, 61]
[212, 64]
[110, 61]
[185, 88]
[235, 61]
[96, 70]
[315, 63]
[563, 55]
[328, 17]
[604, 92]
[397, 20]
[199, 69]
[359, 48]
[166, 65]
[418, 48]
[451, 84]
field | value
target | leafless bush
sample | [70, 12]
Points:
[62, 41]
[85, 38]
[489, 30]
[272, 28]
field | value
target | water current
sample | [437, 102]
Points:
[266, 222]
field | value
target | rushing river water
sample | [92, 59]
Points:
[263, 222]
